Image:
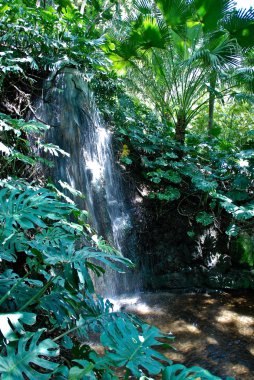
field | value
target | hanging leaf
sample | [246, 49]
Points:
[52, 149]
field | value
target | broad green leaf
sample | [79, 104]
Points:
[204, 218]
[11, 324]
[129, 347]
[82, 373]
[180, 372]
[29, 351]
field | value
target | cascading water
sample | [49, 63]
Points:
[68, 106]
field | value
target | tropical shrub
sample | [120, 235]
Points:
[216, 172]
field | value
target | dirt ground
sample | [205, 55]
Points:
[212, 330]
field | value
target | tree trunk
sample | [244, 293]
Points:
[38, 3]
[213, 79]
[82, 8]
[180, 128]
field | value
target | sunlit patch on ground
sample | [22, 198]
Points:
[245, 324]
[135, 305]
[214, 331]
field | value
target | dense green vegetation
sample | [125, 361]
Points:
[184, 122]
[184, 66]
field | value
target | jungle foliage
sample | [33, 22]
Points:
[47, 298]
[48, 304]
[215, 170]
[192, 138]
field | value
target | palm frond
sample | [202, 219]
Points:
[240, 26]
[175, 12]
[244, 77]
[209, 14]
[243, 97]
[143, 6]
[217, 52]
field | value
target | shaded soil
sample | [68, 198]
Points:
[212, 330]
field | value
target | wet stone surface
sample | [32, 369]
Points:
[212, 330]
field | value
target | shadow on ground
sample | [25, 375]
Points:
[212, 330]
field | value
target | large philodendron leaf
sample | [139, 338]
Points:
[16, 291]
[12, 323]
[238, 212]
[27, 209]
[21, 359]
[130, 347]
[61, 305]
[84, 373]
[66, 254]
[180, 372]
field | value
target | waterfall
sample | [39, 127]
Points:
[76, 127]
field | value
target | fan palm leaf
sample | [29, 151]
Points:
[209, 14]
[240, 26]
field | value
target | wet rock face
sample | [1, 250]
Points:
[174, 260]
[234, 279]
[69, 107]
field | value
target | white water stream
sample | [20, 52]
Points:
[68, 106]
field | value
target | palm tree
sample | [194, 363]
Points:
[226, 52]
[179, 51]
